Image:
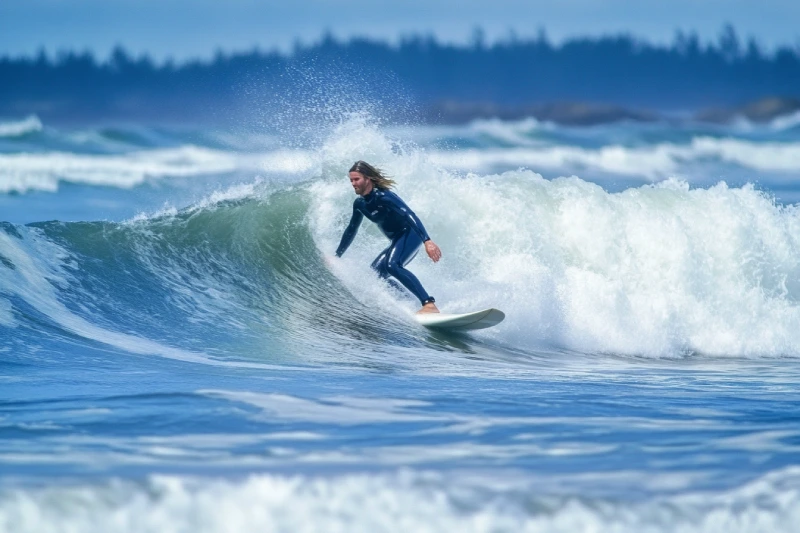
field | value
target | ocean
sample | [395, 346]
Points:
[180, 353]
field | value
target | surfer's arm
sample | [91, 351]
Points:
[398, 206]
[413, 221]
[350, 232]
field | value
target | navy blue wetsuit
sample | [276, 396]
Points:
[398, 222]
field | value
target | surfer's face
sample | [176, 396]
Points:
[361, 184]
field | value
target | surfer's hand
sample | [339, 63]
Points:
[433, 251]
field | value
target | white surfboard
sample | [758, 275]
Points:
[476, 320]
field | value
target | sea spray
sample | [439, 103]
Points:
[660, 270]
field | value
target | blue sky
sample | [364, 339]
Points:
[196, 28]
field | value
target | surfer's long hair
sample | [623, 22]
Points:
[374, 174]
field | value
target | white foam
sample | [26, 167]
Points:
[234, 192]
[659, 270]
[648, 163]
[771, 156]
[786, 122]
[403, 501]
[18, 128]
[515, 132]
[779, 123]
[44, 171]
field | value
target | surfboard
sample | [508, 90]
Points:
[461, 322]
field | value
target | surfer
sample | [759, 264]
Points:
[398, 222]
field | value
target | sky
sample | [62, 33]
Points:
[183, 29]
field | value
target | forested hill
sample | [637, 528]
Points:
[420, 75]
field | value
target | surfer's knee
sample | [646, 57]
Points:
[379, 264]
[394, 268]
[380, 269]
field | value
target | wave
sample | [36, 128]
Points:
[514, 133]
[126, 158]
[786, 122]
[35, 277]
[18, 128]
[660, 270]
[236, 274]
[781, 123]
[647, 162]
[401, 501]
[25, 172]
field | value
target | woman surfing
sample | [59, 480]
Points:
[398, 222]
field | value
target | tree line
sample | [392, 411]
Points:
[419, 71]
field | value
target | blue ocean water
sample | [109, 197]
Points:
[178, 351]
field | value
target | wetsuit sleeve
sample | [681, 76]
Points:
[350, 232]
[398, 206]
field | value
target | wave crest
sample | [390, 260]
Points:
[18, 128]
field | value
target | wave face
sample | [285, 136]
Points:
[214, 267]
[658, 270]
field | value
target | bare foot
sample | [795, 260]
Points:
[428, 308]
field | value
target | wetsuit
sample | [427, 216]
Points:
[399, 223]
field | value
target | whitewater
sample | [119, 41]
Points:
[179, 351]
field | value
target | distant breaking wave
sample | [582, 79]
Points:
[129, 158]
[786, 122]
[18, 128]
[648, 162]
[44, 171]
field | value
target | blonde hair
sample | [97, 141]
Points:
[375, 175]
